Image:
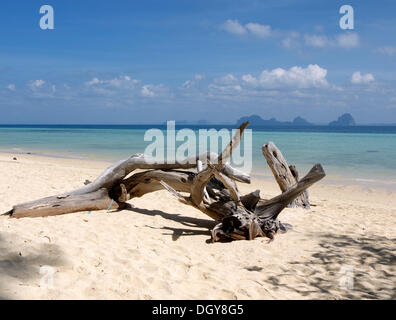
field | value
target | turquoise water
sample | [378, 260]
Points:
[365, 155]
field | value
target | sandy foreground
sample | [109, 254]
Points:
[343, 248]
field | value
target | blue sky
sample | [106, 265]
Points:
[150, 61]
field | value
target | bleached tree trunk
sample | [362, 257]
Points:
[286, 176]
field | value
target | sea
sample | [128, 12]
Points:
[363, 155]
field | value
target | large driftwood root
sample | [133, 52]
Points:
[210, 188]
[261, 219]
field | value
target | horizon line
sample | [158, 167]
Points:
[195, 124]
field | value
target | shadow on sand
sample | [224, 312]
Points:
[373, 261]
[204, 225]
[15, 264]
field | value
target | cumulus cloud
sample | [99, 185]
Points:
[226, 85]
[92, 82]
[147, 91]
[233, 26]
[299, 86]
[123, 90]
[312, 76]
[222, 90]
[42, 89]
[358, 78]
[37, 83]
[256, 29]
[191, 82]
[290, 39]
[259, 30]
[122, 81]
[227, 79]
[122, 85]
[151, 90]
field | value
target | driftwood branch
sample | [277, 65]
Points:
[210, 188]
[286, 176]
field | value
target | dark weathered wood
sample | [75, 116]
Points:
[240, 222]
[286, 176]
[250, 200]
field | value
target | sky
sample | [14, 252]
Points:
[129, 62]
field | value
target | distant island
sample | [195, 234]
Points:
[255, 120]
[345, 120]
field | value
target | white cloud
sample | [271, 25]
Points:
[37, 83]
[191, 82]
[301, 86]
[387, 50]
[11, 87]
[290, 40]
[93, 82]
[348, 40]
[227, 79]
[312, 76]
[259, 30]
[122, 81]
[256, 29]
[42, 89]
[233, 26]
[146, 91]
[125, 89]
[358, 78]
[316, 41]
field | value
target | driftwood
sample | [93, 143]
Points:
[211, 188]
[286, 176]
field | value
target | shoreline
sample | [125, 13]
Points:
[365, 183]
[267, 178]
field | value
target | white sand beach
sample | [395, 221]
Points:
[160, 249]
